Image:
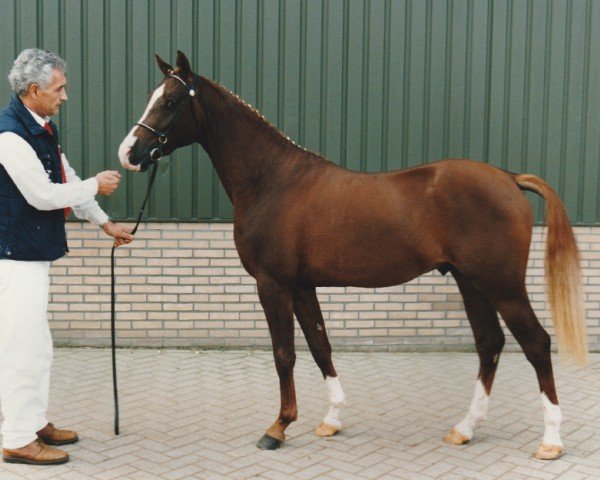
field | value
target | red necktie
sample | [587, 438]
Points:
[48, 128]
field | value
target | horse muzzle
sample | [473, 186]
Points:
[129, 166]
[125, 155]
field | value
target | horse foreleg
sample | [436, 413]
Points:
[277, 304]
[308, 312]
[489, 341]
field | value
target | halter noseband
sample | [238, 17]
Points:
[163, 135]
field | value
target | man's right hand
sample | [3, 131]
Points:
[108, 181]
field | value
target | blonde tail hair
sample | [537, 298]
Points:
[563, 274]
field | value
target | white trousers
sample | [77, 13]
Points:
[25, 350]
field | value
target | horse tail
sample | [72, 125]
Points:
[563, 273]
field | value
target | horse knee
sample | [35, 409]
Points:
[284, 360]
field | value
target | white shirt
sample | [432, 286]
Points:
[27, 172]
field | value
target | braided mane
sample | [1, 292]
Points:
[256, 115]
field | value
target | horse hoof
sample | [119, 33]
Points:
[548, 452]
[326, 430]
[267, 442]
[456, 438]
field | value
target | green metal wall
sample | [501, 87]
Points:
[373, 85]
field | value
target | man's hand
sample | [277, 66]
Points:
[121, 234]
[108, 181]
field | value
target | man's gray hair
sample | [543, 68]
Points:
[34, 66]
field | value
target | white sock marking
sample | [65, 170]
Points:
[552, 420]
[477, 411]
[337, 400]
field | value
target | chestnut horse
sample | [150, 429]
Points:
[301, 222]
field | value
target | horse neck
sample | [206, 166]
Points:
[247, 152]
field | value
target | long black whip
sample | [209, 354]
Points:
[113, 296]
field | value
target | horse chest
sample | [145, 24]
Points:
[262, 248]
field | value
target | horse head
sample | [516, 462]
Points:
[169, 121]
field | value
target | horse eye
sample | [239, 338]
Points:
[171, 103]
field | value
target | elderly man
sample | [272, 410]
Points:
[37, 190]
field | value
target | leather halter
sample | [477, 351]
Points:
[163, 135]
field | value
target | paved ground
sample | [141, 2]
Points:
[198, 415]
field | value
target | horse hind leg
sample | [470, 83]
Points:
[277, 304]
[489, 341]
[535, 342]
[508, 295]
[309, 315]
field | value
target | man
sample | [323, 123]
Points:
[37, 187]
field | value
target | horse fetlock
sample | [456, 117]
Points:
[276, 431]
[289, 418]
[333, 417]
[465, 428]
[463, 431]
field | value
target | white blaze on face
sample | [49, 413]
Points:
[129, 141]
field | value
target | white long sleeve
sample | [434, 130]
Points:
[89, 210]
[27, 172]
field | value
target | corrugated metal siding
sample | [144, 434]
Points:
[373, 85]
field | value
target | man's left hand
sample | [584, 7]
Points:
[121, 234]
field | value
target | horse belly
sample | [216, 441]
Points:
[373, 262]
[369, 235]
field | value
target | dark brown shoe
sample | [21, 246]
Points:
[35, 453]
[53, 436]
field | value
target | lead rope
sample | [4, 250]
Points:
[113, 296]
[155, 155]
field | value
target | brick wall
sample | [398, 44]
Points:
[183, 285]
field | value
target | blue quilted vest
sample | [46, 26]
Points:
[27, 233]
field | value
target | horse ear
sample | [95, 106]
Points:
[183, 63]
[164, 66]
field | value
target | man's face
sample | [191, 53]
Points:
[46, 102]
